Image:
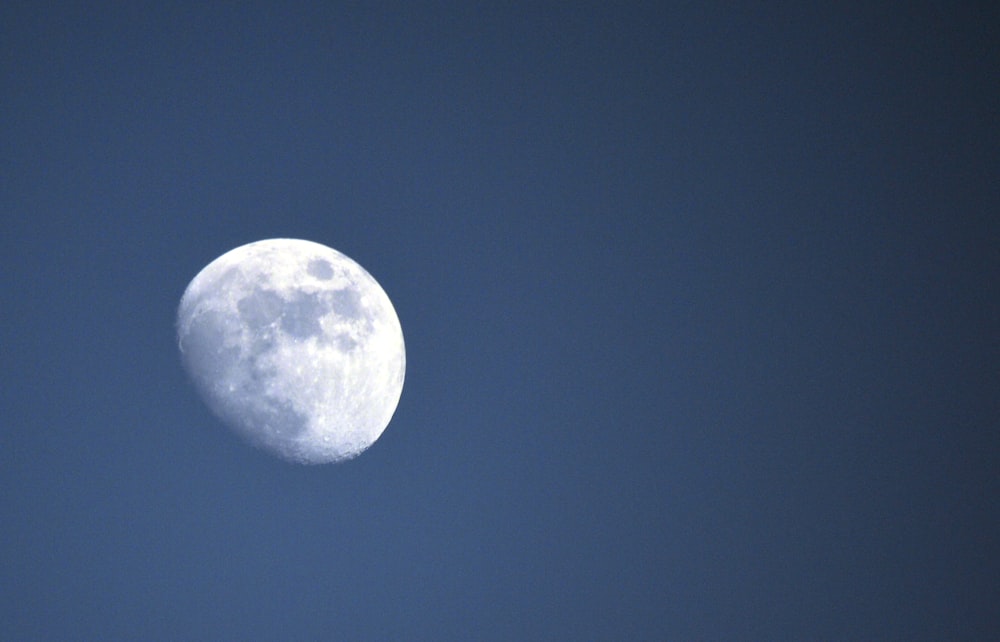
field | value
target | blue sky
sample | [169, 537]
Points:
[699, 300]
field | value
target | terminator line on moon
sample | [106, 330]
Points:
[294, 346]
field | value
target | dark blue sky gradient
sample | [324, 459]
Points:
[700, 305]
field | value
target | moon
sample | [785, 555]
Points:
[295, 347]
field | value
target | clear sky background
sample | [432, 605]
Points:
[700, 303]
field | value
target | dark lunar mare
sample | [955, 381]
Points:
[246, 408]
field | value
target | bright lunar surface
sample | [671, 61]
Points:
[296, 347]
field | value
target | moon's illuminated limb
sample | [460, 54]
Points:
[296, 347]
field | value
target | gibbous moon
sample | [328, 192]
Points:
[294, 346]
